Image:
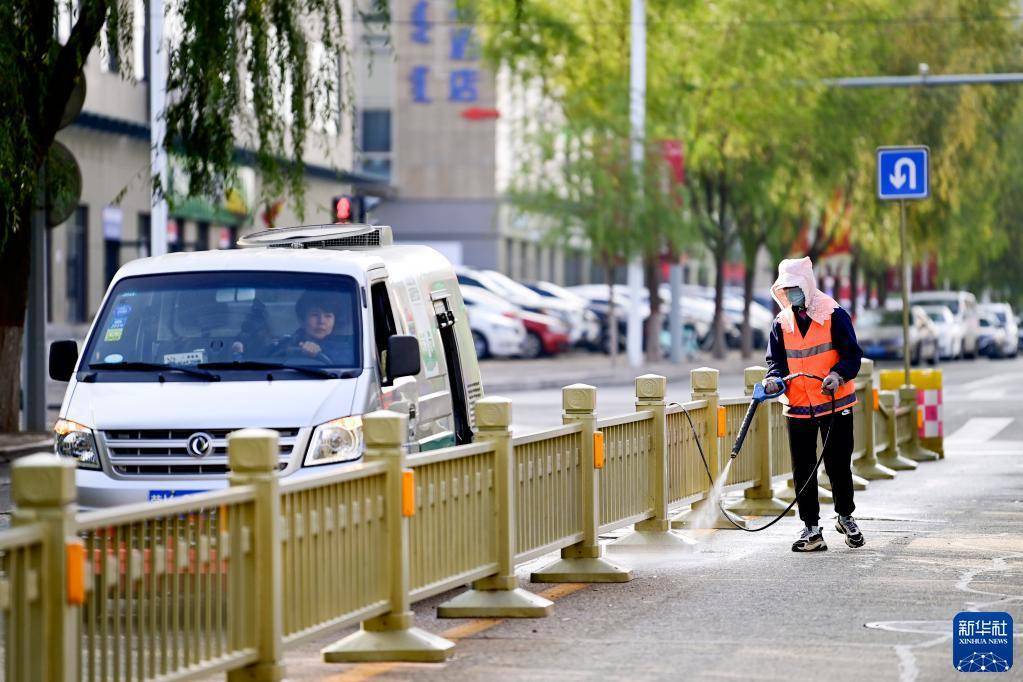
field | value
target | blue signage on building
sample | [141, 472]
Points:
[903, 173]
[982, 642]
[463, 83]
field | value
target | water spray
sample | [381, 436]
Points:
[760, 395]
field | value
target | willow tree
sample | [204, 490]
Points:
[249, 74]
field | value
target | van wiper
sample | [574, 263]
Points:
[259, 364]
[154, 367]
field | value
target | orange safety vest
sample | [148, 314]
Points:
[813, 354]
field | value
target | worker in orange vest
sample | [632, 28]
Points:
[814, 335]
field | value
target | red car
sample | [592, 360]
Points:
[545, 335]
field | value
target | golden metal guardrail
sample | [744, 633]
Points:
[221, 581]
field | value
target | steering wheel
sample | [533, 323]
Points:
[324, 358]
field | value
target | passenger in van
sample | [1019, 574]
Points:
[324, 333]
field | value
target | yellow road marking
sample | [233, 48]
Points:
[366, 671]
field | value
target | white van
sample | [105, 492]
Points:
[303, 332]
[963, 305]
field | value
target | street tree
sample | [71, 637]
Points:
[255, 75]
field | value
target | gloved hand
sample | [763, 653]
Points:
[831, 383]
[773, 385]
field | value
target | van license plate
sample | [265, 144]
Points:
[157, 495]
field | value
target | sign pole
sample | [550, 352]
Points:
[906, 352]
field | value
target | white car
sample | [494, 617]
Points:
[950, 331]
[963, 305]
[497, 330]
[1006, 320]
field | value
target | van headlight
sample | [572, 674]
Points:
[339, 440]
[71, 439]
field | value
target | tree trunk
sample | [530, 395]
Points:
[718, 330]
[747, 300]
[652, 275]
[612, 317]
[14, 263]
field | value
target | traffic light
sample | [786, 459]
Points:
[349, 209]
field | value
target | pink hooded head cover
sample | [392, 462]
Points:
[798, 272]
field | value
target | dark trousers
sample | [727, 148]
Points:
[837, 462]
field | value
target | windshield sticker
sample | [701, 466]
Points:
[113, 357]
[122, 310]
[117, 323]
[113, 334]
[187, 358]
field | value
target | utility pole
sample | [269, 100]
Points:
[907, 283]
[157, 129]
[637, 124]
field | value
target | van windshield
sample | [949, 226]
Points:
[238, 322]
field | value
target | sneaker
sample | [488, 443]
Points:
[846, 525]
[810, 540]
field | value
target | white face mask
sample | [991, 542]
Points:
[797, 298]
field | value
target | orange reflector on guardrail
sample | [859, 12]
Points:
[598, 449]
[877, 400]
[919, 417]
[408, 493]
[722, 422]
[74, 553]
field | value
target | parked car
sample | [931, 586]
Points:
[1007, 320]
[994, 340]
[497, 327]
[963, 305]
[879, 333]
[545, 334]
[950, 331]
[591, 334]
[571, 314]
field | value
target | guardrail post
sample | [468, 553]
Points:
[498, 596]
[866, 465]
[759, 500]
[583, 562]
[43, 487]
[914, 450]
[889, 455]
[704, 381]
[390, 637]
[655, 531]
[253, 459]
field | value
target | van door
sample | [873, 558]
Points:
[399, 394]
[456, 380]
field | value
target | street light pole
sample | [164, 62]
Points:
[157, 129]
[637, 123]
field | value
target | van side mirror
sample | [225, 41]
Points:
[63, 357]
[402, 356]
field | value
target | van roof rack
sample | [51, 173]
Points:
[342, 237]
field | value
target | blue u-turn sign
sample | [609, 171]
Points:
[903, 173]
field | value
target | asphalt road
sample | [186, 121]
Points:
[940, 540]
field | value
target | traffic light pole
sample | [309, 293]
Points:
[906, 351]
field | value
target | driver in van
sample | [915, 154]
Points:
[319, 314]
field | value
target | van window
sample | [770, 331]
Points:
[383, 326]
[191, 319]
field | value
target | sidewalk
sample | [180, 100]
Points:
[19, 444]
[596, 368]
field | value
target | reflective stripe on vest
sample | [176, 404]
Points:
[813, 354]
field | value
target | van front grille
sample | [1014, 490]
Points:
[164, 452]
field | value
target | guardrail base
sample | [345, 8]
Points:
[517, 603]
[896, 462]
[370, 644]
[823, 481]
[760, 507]
[259, 672]
[659, 540]
[873, 471]
[787, 493]
[582, 570]
[918, 453]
